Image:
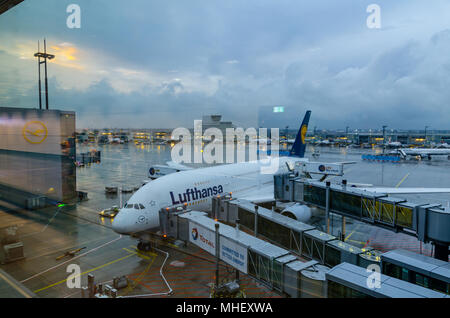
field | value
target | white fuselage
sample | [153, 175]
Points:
[425, 151]
[195, 188]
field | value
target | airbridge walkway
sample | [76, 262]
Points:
[427, 222]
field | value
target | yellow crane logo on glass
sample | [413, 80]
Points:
[35, 132]
[303, 131]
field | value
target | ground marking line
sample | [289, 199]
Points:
[91, 270]
[401, 181]
[72, 259]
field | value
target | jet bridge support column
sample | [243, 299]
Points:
[327, 205]
[441, 251]
[237, 229]
[424, 216]
[256, 220]
[217, 254]
[344, 185]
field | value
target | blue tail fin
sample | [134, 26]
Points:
[299, 146]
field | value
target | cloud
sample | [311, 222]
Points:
[157, 64]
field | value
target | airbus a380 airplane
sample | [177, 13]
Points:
[196, 187]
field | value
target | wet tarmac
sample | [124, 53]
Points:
[49, 233]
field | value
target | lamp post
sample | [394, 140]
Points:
[44, 56]
[426, 134]
[384, 138]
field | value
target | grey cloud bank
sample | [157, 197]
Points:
[155, 64]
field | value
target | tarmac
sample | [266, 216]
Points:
[47, 234]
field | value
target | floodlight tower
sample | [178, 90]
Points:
[44, 56]
[426, 127]
[384, 138]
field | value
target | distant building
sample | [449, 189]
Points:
[213, 121]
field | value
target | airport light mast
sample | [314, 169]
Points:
[426, 133]
[44, 56]
[384, 139]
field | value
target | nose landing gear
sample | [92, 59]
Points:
[145, 246]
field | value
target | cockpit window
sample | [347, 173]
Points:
[137, 206]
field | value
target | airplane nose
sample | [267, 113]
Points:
[120, 224]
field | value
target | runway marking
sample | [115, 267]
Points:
[142, 253]
[71, 246]
[46, 225]
[401, 181]
[348, 236]
[91, 270]
[359, 242]
[137, 254]
[72, 259]
[139, 278]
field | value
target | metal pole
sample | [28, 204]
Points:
[91, 285]
[343, 229]
[217, 254]
[237, 229]
[39, 81]
[256, 220]
[46, 82]
[120, 197]
[217, 206]
[327, 205]
[344, 186]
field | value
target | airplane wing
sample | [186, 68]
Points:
[388, 190]
[260, 195]
[177, 166]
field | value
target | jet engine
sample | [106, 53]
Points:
[298, 212]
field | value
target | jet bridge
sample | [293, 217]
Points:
[269, 264]
[428, 222]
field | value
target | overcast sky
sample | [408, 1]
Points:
[148, 64]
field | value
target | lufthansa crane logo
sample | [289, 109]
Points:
[194, 234]
[303, 131]
[35, 132]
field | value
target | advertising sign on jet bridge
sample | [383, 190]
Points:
[203, 238]
[233, 254]
[230, 252]
[334, 169]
